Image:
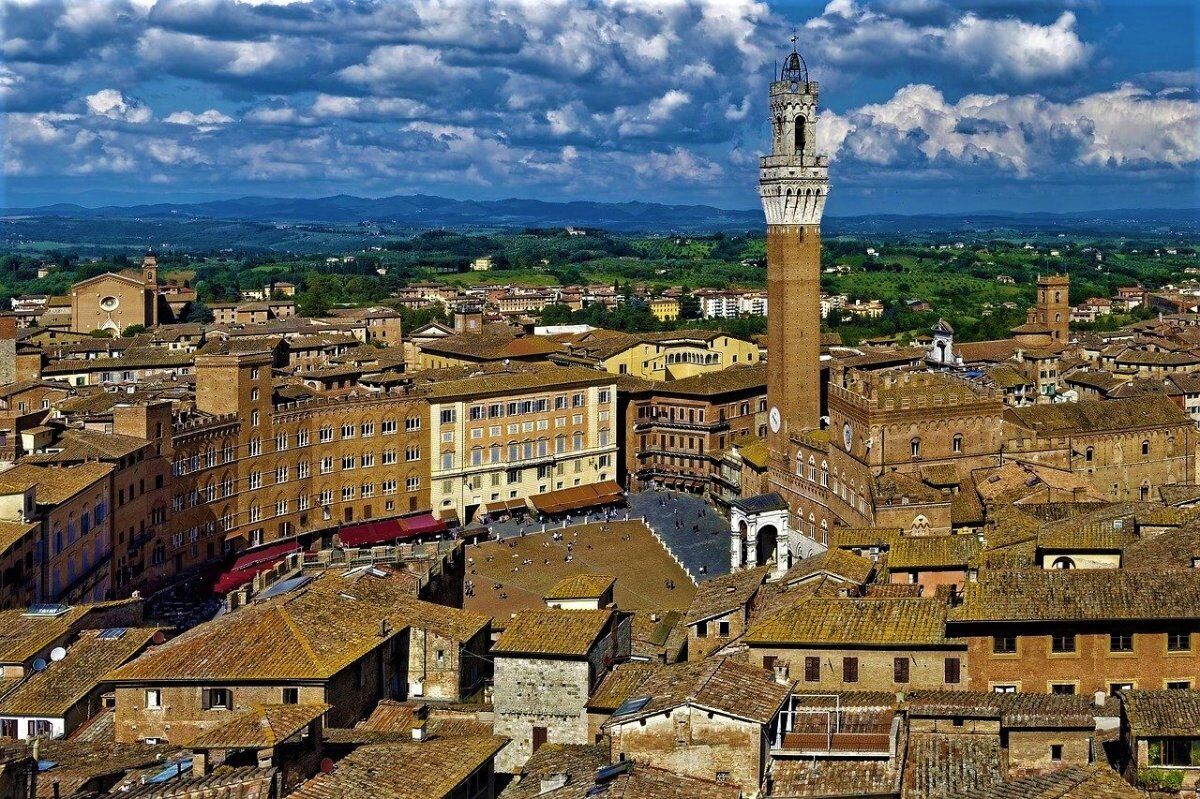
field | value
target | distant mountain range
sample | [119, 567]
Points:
[425, 211]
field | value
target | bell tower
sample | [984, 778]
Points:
[793, 184]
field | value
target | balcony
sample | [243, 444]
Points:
[865, 742]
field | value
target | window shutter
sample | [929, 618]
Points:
[850, 669]
[953, 668]
[205, 699]
[812, 669]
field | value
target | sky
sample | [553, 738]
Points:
[929, 106]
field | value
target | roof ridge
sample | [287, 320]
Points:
[300, 637]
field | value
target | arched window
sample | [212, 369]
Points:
[1063, 563]
[799, 134]
[958, 442]
[1088, 454]
[1144, 491]
[1058, 296]
[915, 447]
[1146, 447]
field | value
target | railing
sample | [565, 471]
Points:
[872, 741]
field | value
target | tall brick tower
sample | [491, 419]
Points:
[793, 183]
[1053, 308]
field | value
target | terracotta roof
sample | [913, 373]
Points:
[579, 762]
[228, 781]
[948, 766]
[260, 727]
[718, 684]
[80, 445]
[1079, 595]
[1071, 782]
[433, 769]
[1094, 416]
[720, 595]
[723, 381]
[23, 635]
[79, 763]
[855, 621]
[1171, 550]
[619, 684]
[568, 633]
[57, 485]
[863, 537]
[54, 691]
[837, 563]
[793, 779]
[1016, 711]
[12, 533]
[581, 586]
[933, 552]
[528, 380]
[311, 633]
[1163, 713]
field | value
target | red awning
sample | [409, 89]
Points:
[422, 524]
[263, 554]
[568, 500]
[370, 533]
[250, 564]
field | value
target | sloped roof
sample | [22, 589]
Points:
[1071, 782]
[1094, 416]
[719, 684]
[260, 727]
[1079, 595]
[855, 621]
[947, 766]
[722, 594]
[432, 769]
[1163, 713]
[569, 633]
[933, 552]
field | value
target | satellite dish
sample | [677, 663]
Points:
[39, 664]
[57, 653]
[326, 765]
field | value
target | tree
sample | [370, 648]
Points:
[198, 311]
[689, 306]
[133, 330]
[556, 315]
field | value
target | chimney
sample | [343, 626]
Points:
[781, 673]
[1100, 698]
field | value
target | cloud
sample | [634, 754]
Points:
[113, 104]
[1004, 50]
[204, 121]
[593, 98]
[1125, 128]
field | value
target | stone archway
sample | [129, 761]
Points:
[766, 539]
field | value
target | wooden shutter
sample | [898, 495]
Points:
[812, 669]
[205, 699]
[849, 669]
[900, 670]
[539, 737]
[769, 662]
[953, 670]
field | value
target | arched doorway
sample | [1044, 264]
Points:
[766, 540]
[744, 537]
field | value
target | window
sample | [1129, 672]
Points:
[1088, 454]
[1004, 644]
[1179, 641]
[411, 484]
[849, 669]
[412, 423]
[900, 670]
[915, 447]
[812, 669]
[347, 431]
[449, 415]
[1062, 642]
[702, 629]
[957, 443]
[387, 426]
[325, 434]
[1179, 685]
[215, 699]
[1146, 447]
[953, 671]
[538, 737]
[1062, 688]
[1120, 642]
[153, 699]
[1115, 688]
[290, 696]
[447, 460]
[722, 629]
[1056, 751]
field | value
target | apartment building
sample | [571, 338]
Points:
[504, 436]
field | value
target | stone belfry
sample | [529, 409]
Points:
[793, 183]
